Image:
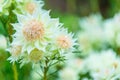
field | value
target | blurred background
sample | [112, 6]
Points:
[69, 13]
[84, 7]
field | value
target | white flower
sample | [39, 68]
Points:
[76, 64]
[15, 51]
[112, 30]
[109, 31]
[72, 69]
[68, 74]
[64, 41]
[35, 31]
[92, 21]
[39, 35]
[85, 43]
[91, 37]
[103, 66]
[29, 6]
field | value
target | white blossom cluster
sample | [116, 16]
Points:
[72, 69]
[112, 30]
[91, 35]
[37, 35]
[99, 40]
[97, 34]
[104, 65]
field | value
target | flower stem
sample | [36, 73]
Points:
[46, 69]
[45, 74]
[15, 72]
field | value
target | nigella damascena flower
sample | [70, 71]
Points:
[3, 5]
[29, 6]
[35, 31]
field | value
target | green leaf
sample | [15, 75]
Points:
[2, 30]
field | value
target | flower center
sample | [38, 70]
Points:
[115, 64]
[15, 50]
[30, 7]
[35, 55]
[64, 41]
[33, 30]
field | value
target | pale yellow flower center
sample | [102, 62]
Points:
[33, 30]
[30, 7]
[35, 55]
[115, 64]
[16, 50]
[64, 41]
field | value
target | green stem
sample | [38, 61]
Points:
[15, 72]
[45, 73]
[46, 69]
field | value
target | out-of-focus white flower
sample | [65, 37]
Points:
[91, 22]
[76, 64]
[29, 6]
[112, 30]
[85, 44]
[3, 42]
[92, 35]
[68, 74]
[15, 51]
[72, 69]
[103, 66]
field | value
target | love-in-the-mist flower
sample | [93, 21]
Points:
[4, 4]
[29, 6]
